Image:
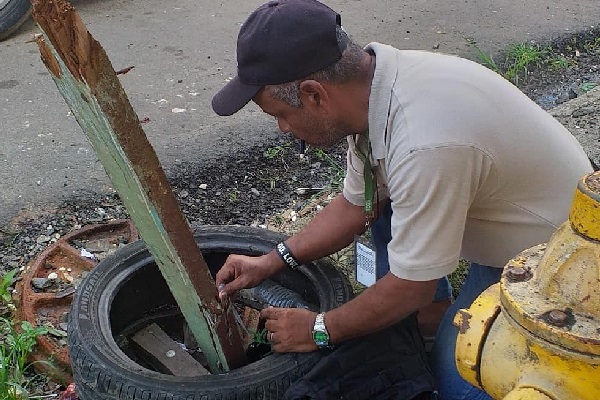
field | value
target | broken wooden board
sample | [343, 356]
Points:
[165, 354]
[251, 320]
[87, 81]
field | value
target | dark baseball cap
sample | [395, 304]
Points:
[281, 41]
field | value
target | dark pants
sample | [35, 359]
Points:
[450, 384]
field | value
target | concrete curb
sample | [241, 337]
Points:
[581, 116]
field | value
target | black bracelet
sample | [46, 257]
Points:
[286, 255]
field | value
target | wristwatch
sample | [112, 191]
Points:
[319, 332]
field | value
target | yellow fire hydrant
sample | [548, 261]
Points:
[536, 334]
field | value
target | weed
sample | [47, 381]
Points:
[587, 86]
[234, 195]
[15, 347]
[275, 152]
[485, 59]
[8, 236]
[559, 63]
[278, 219]
[520, 58]
[457, 277]
[592, 46]
[260, 336]
[6, 282]
[337, 171]
[259, 347]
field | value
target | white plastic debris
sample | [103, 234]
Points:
[52, 276]
[178, 110]
[182, 346]
[87, 254]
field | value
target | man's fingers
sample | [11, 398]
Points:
[270, 313]
[230, 288]
[270, 325]
[224, 275]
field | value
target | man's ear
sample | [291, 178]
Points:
[314, 94]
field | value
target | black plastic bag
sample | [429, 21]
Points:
[387, 365]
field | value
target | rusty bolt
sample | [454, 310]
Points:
[517, 274]
[557, 318]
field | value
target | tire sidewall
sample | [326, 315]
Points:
[12, 16]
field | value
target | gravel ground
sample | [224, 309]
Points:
[249, 188]
[243, 189]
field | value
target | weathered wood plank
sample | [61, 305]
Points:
[87, 81]
[165, 354]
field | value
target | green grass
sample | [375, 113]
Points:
[520, 59]
[234, 195]
[6, 282]
[457, 277]
[260, 336]
[485, 59]
[277, 152]
[16, 343]
[17, 340]
[592, 46]
[337, 171]
[587, 86]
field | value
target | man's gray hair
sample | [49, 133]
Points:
[344, 70]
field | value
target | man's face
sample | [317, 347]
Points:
[314, 127]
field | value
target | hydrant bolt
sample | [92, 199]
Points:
[517, 274]
[557, 318]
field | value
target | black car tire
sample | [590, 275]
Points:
[121, 289]
[13, 13]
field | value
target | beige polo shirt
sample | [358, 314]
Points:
[472, 166]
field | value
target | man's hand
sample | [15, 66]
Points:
[290, 329]
[241, 272]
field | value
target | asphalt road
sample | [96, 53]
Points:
[184, 50]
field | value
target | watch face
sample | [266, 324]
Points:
[321, 338]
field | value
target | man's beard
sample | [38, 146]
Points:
[327, 134]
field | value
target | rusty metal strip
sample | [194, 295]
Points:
[60, 258]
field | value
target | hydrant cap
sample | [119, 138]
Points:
[585, 209]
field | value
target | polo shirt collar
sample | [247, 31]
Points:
[380, 97]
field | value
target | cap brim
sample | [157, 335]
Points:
[233, 97]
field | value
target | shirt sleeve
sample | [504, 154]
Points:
[431, 192]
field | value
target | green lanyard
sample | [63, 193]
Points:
[369, 178]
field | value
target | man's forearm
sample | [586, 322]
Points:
[386, 302]
[329, 231]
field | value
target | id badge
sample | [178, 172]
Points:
[364, 262]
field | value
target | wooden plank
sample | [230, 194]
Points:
[251, 319]
[165, 354]
[87, 81]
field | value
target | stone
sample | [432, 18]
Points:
[40, 283]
